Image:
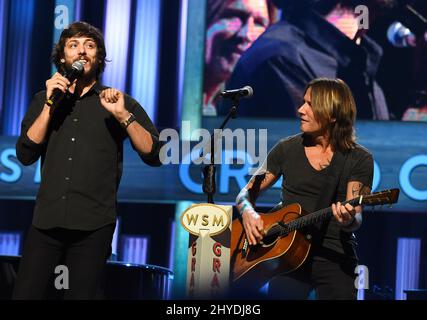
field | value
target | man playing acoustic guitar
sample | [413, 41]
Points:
[320, 166]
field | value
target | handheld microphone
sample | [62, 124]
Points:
[245, 92]
[76, 69]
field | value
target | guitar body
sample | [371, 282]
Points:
[276, 255]
[286, 243]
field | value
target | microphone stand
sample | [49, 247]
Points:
[209, 184]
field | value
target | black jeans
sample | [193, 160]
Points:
[332, 279]
[83, 253]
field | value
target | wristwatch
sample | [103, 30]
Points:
[127, 122]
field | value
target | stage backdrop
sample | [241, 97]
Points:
[399, 149]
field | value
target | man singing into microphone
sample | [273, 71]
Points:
[80, 143]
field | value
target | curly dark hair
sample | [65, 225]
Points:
[78, 29]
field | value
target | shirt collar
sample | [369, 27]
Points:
[96, 88]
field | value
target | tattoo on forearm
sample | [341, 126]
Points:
[359, 189]
[356, 189]
[243, 202]
[254, 190]
[247, 197]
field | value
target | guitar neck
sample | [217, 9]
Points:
[377, 198]
[317, 216]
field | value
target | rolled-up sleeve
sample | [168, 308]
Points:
[142, 118]
[27, 151]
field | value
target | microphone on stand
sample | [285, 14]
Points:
[209, 184]
[245, 92]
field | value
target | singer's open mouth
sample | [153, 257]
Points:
[84, 61]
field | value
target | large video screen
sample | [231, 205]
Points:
[276, 47]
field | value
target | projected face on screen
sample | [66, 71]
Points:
[232, 26]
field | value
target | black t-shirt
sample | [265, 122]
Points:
[305, 185]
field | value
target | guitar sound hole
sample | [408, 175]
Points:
[271, 236]
[269, 240]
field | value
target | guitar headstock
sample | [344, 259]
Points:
[381, 197]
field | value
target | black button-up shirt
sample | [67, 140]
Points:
[81, 160]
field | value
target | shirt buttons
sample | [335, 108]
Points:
[73, 139]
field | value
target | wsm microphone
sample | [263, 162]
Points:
[245, 92]
[72, 74]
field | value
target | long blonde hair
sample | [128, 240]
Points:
[334, 107]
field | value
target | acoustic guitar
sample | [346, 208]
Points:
[286, 244]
